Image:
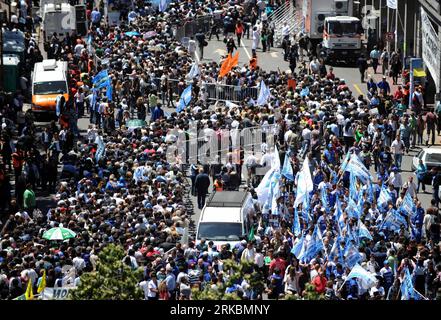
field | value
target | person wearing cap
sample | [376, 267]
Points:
[388, 276]
[384, 85]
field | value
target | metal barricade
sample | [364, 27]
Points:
[215, 91]
[223, 92]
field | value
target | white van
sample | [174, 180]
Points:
[224, 218]
[49, 78]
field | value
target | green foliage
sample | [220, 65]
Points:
[311, 294]
[235, 271]
[112, 280]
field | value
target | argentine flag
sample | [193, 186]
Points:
[264, 94]
[185, 99]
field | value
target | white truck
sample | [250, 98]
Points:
[331, 29]
[341, 39]
[57, 18]
[224, 218]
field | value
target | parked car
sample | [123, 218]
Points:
[432, 159]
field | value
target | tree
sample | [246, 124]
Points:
[235, 272]
[112, 280]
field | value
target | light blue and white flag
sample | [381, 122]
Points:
[352, 209]
[393, 221]
[296, 224]
[185, 99]
[366, 279]
[163, 4]
[357, 167]
[264, 94]
[363, 231]
[408, 206]
[384, 197]
[101, 80]
[287, 169]
[353, 192]
[352, 255]
[194, 71]
[298, 249]
[315, 245]
[408, 291]
[345, 162]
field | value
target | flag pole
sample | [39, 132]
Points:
[396, 28]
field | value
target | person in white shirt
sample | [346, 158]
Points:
[79, 262]
[152, 287]
[314, 66]
[144, 287]
[256, 39]
[285, 30]
[397, 148]
[410, 186]
[395, 179]
[249, 253]
[192, 47]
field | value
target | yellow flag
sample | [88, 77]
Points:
[419, 73]
[29, 294]
[42, 284]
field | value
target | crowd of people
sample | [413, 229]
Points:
[116, 185]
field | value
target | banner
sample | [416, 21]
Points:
[430, 48]
[55, 293]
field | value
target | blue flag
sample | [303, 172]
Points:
[363, 231]
[163, 5]
[298, 250]
[336, 251]
[325, 202]
[287, 169]
[357, 167]
[352, 256]
[353, 192]
[101, 79]
[185, 99]
[194, 71]
[393, 221]
[384, 197]
[315, 245]
[366, 279]
[408, 291]
[408, 206]
[109, 91]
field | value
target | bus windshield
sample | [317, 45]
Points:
[50, 87]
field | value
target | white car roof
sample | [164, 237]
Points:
[432, 150]
[219, 214]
